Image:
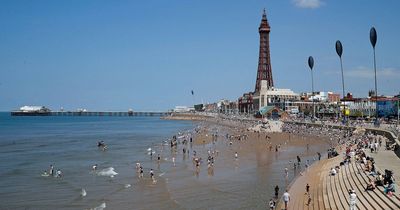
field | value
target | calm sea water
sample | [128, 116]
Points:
[28, 145]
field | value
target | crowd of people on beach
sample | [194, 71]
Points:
[355, 142]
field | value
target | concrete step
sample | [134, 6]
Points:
[391, 203]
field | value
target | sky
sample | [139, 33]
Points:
[149, 55]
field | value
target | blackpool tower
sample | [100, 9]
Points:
[264, 71]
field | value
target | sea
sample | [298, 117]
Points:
[29, 145]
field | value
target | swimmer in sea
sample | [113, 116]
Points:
[101, 144]
[45, 173]
[94, 167]
[59, 173]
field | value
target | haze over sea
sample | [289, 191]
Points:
[28, 145]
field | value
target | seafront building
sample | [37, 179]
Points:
[270, 96]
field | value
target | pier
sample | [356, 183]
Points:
[93, 113]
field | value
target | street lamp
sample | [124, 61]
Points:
[311, 65]
[339, 51]
[373, 38]
[398, 109]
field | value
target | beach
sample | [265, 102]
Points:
[243, 183]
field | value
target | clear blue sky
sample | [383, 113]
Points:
[149, 55]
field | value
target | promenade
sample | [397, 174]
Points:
[331, 192]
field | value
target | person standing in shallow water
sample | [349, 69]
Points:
[276, 191]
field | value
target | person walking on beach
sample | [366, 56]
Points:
[286, 173]
[276, 191]
[353, 199]
[236, 155]
[308, 199]
[319, 156]
[307, 189]
[271, 204]
[286, 199]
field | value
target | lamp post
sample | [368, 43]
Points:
[373, 38]
[311, 65]
[339, 51]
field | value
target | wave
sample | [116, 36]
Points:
[83, 192]
[101, 207]
[107, 172]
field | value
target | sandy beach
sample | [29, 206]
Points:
[245, 182]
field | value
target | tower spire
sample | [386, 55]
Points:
[264, 16]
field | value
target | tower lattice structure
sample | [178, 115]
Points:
[264, 71]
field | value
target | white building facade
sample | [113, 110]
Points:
[273, 96]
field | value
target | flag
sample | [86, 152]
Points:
[192, 92]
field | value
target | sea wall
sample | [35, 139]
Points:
[388, 134]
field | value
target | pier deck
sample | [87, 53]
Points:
[92, 113]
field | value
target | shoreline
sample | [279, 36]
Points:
[285, 139]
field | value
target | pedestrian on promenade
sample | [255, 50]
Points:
[353, 199]
[286, 199]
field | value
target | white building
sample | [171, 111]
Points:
[273, 96]
[361, 108]
[180, 109]
[33, 109]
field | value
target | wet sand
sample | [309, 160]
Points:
[243, 183]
